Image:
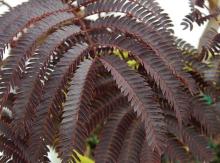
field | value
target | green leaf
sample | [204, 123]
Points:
[208, 99]
[83, 159]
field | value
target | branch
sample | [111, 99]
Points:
[212, 23]
[6, 4]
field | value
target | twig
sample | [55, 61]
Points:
[6, 4]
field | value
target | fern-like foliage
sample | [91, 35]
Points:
[196, 15]
[62, 79]
[209, 42]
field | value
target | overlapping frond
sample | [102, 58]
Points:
[76, 109]
[63, 79]
[14, 65]
[193, 139]
[141, 97]
[10, 150]
[205, 116]
[29, 95]
[25, 15]
[11, 144]
[102, 108]
[148, 11]
[153, 40]
[149, 155]
[212, 74]
[205, 74]
[49, 110]
[177, 151]
[154, 67]
[210, 44]
[133, 143]
[113, 135]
